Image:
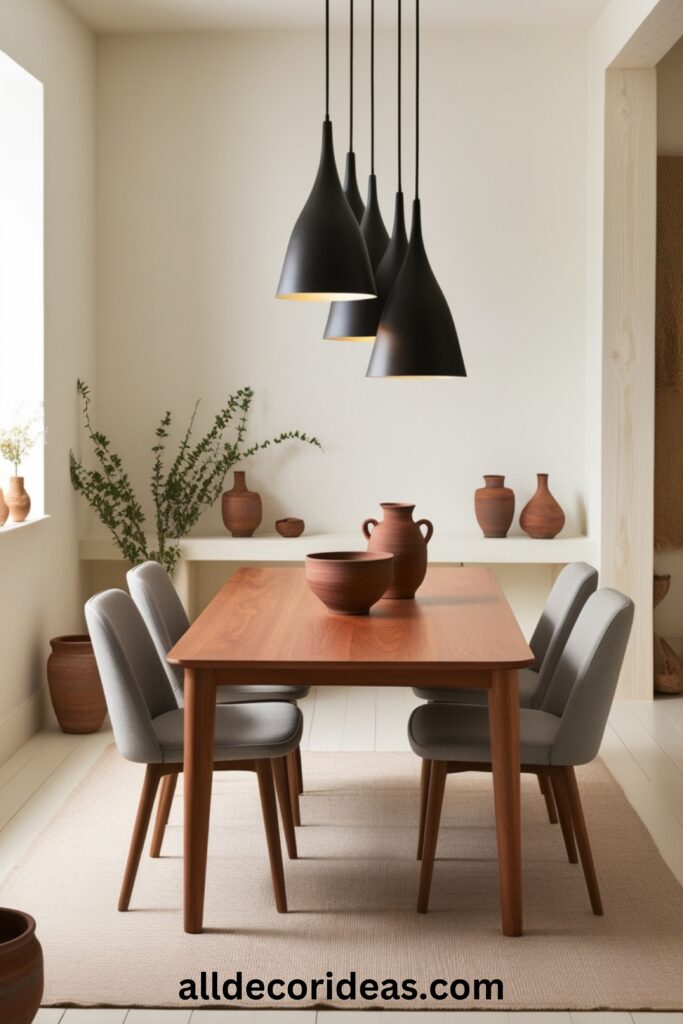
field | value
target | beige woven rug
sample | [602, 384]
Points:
[352, 896]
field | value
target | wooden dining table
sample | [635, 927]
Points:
[266, 627]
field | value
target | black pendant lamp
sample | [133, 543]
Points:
[416, 336]
[326, 257]
[351, 190]
[355, 322]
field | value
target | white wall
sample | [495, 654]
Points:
[207, 146]
[39, 564]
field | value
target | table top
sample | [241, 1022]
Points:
[265, 623]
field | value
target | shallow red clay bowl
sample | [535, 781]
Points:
[349, 582]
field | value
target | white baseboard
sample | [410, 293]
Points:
[23, 723]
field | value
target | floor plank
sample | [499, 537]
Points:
[359, 719]
[94, 1017]
[660, 726]
[49, 1016]
[657, 765]
[600, 1017]
[391, 729]
[158, 1017]
[327, 727]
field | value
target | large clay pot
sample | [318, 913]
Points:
[4, 509]
[403, 538]
[18, 500]
[75, 686]
[241, 508]
[542, 517]
[21, 968]
[494, 506]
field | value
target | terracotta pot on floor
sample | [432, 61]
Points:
[241, 508]
[4, 509]
[21, 968]
[402, 537]
[494, 506]
[18, 500]
[75, 687]
[542, 517]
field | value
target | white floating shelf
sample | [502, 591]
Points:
[443, 548]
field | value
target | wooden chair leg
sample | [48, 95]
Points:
[293, 787]
[168, 787]
[145, 808]
[299, 770]
[264, 772]
[565, 816]
[437, 785]
[582, 840]
[547, 794]
[282, 789]
[424, 795]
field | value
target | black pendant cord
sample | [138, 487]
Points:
[327, 60]
[372, 86]
[400, 189]
[417, 98]
[351, 78]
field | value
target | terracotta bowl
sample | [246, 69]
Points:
[290, 527]
[349, 582]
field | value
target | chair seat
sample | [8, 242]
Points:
[242, 731]
[528, 683]
[450, 732]
[241, 694]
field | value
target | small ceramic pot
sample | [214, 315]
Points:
[494, 506]
[241, 508]
[18, 500]
[21, 968]
[542, 517]
[75, 686]
[349, 582]
[4, 509]
[290, 527]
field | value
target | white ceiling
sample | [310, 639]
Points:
[198, 15]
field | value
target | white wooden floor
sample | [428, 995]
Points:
[643, 748]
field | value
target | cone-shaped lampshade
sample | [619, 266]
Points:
[416, 336]
[346, 322]
[351, 190]
[326, 257]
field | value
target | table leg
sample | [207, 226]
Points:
[200, 718]
[504, 730]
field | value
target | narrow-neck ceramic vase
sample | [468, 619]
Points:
[494, 506]
[402, 537]
[21, 967]
[542, 517]
[18, 500]
[241, 508]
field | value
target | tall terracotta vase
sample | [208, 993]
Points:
[542, 517]
[21, 968]
[402, 537]
[4, 509]
[75, 686]
[18, 500]
[241, 508]
[494, 506]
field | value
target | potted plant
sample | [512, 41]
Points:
[180, 492]
[15, 444]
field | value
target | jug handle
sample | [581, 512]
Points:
[366, 527]
[430, 529]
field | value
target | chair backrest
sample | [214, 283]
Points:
[582, 688]
[161, 608]
[571, 590]
[135, 685]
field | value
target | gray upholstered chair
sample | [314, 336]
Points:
[148, 729]
[565, 731]
[161, 608]
[571, 590]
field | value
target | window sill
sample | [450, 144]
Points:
[14, 527]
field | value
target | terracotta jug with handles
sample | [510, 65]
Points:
[399, 534]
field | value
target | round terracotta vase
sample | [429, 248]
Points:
[241, 508]
[494, 506]
[21, 968]
[402, 537]
[75, 686]
[4, 509]
[542, 517]
[18, 500]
